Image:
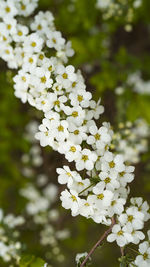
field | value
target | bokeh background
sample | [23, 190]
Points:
[107, 54]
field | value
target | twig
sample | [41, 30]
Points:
[98, 242]
[86, 188]
[122, 251]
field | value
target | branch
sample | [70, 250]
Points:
[122, 251]
[106, 233]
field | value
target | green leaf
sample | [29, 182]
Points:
[31, 261]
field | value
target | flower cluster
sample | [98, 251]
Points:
[143, 259]
[111, 8]
[138, 84]
[10, 245]
[98, 187]
[132, 140]
[41, 198]
[129, 223]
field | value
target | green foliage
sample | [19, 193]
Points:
[31, 261]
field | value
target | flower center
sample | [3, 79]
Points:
[145, 256]
[57, 103]
[54, 40]
[113, 202]
[97, 136]
[73, 148]
[80, 183]
[74, 198]
[50, 68]
[20, 33]
[100, 196]
[122, 174]
[33, 44]
[85, 158]
[60, 128]
[23, 78]
[65, 75]
[9, 26]
[7, 51]
[4, 38]
[76, 132]
[120, 233]
[23, 7]
[7, 9]
[41, 56]
[39, 27]
[74, 84]
[111, 164]
[43, 79]
[31, 60]
[75, 114]
[80, 98]
[107, 180]
[130, 218]
[68, 173]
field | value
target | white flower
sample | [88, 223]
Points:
[109, 181]
[133, 217]
[126, 176]
[120, 236]
[41, 79]
[70, 200]
[143, 260]
[103, 3]
[79, 256]
[26, 7]
[29, 62]
[66, 176]
[44, 135]
[101, 197]
[80, 97]
[116, 206]
[8, 27]
[8, 9]
[33, 43]
[79, 185]
[21, 32]
[86, 208]
[142, 206]
[70, 150]
[42, 22]
[65, 75]
[55, 40]
[137, 235]
[77, 133]
[96, 108]
[110, 161]
[100, 136]
[22, 81]
[75, 115]
[86, 160]
[60, 130]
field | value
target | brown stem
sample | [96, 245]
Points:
[98, 242]
[122, 251]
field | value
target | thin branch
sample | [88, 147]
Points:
[86, 188]
[122, 251]
[106, 233]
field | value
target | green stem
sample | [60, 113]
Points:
[133, 250]
[86, 188]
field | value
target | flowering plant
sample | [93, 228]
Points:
[99, 171]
